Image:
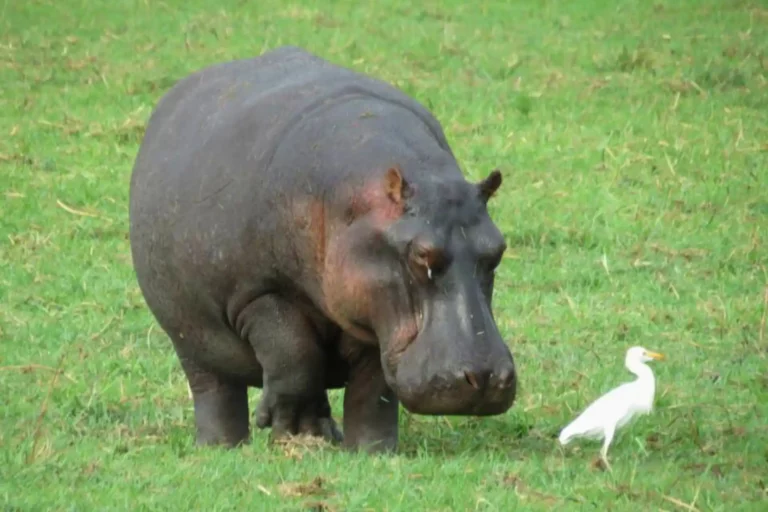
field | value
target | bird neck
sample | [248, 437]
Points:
[642, 370]
[645, 383]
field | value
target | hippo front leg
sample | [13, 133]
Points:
[294, 398]
[370, 406]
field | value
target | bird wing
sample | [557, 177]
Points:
[606, 410]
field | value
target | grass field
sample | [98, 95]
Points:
[633, 137]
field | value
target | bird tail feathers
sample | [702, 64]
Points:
[565, 435]
[580, 427]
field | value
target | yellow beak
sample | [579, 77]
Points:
[654, 355]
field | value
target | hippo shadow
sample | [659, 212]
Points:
[459, 436]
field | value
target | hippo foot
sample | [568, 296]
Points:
[291, 415]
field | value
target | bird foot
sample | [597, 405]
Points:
[602, 464]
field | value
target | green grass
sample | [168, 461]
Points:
[634, 141]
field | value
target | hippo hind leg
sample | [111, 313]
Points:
[221, 407]
[294, 398]
[219, 368]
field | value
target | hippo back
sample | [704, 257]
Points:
[248, 106]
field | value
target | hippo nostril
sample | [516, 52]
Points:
[471, 379]
[506, 378]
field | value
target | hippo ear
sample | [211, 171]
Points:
[396, 187]
[490, 185]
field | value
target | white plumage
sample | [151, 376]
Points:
[617, 407]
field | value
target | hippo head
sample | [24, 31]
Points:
[416, 268]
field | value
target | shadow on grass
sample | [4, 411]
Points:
[487, 437]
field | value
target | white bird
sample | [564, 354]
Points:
[617, 407]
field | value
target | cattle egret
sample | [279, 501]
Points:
[617, 407]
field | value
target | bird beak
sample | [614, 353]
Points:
[655, 355]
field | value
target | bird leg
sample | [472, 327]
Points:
[606, 463]
[609, 431]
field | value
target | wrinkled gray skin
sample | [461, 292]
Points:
[298, 227]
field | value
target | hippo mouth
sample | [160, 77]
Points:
[406, 330]
[362, 331]
[398, 345]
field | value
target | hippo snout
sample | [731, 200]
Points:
[467, 390]
[457, 363]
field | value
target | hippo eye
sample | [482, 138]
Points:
[428, 259]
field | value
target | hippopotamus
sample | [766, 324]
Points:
[298, 226]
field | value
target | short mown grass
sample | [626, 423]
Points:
[633, 137]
